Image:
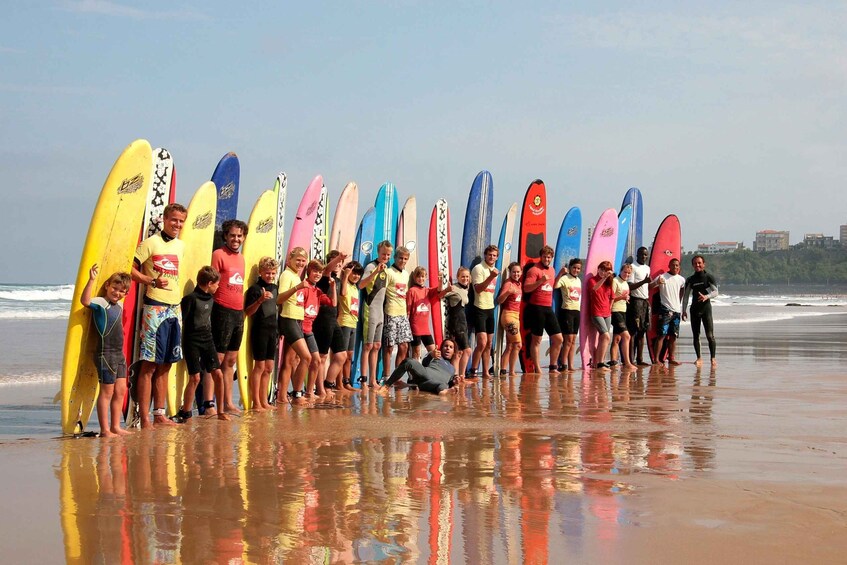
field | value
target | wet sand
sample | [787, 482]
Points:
[742, 463]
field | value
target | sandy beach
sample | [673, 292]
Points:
[741, 463]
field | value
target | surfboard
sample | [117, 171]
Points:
[343, 234]
[304, 220]
[280, 188]
[504, 244]
[633, 241]
[624, 227]
[407, 232]
[667, 245]
[320, 238]
[568, 246]
[602, 247]
[111, 242]
[476, 235]
[533, 236]
[161, 192]
[386, 214]
[440, 260]
[364, 251]
[198, 235]
[226, 177]
[260, 242]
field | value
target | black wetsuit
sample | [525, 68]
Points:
[701, 284]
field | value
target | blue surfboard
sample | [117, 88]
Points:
[476, 235]
[504, 244]
[226, 179]
[568, 245]
[364, 251]
[634, 240]
[387, 212]
[624, 227]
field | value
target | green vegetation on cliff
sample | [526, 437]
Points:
[800, 266]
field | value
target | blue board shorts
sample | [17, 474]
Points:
[161, 334]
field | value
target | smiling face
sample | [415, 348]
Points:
[642, 255]
[464, 277]
[400, 260]
[421, 278]
[173, 223]
[699, 264]
[268, 275]
[297, 263]
[546, 259]
[491, 257]
[515, 273]
[575, 269]
[115, 292]
[673, 267]
[234, 238]
[626, 270]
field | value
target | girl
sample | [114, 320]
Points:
[457, 324]
[315, 301]
[510, 320]
[619, 329]
[348, 319]
[600, 297]
[292, 298]
[418, 300]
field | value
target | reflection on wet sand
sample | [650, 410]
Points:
[509, 471]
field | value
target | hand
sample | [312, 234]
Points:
[684, 316]
[436, 354]
[347, 271]
[563, 271]
[161, 283]
[543, 278]
[266, 296]
[331, 282]
[495, 271]
[702, 297]
[380, 267]
[92, 273]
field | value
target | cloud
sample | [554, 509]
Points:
[109, 8]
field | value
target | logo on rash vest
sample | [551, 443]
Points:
[492, 286]
[166, 265]
[128, 186]
[301, 297]
[607, 232]
[227, 191]
[401, 289]
[311, 311]
[203, 221]
[236, 279]
[265, 225]
[354, 307]
[575, 293]
[422, 308]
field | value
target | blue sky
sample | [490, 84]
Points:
[730, 115]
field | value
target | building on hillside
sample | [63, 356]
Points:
[771, 240]
[719, 247]
[843, 235]
[819, 240]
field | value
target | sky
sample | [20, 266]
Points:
[730, 115]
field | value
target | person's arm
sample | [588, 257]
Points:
[366, 280]
[85, 297]
[255, 304]
[345, 274]
[711, 290]
[330, 267]
[333, 295]
[505, 292]
[562, 272]
[447, 290]
[533, 281]
[282, 297]
[600, 281]
[685, 295]
[483, 284]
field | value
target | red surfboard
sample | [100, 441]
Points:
[533, 236]
[667, 245]
[440, 260]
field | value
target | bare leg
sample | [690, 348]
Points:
[116, 407]
[555, 347]
[160, 393]
[104, 400]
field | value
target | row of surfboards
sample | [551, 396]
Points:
[142, 181]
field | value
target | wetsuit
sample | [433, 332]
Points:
[433, 375]
[701, 284]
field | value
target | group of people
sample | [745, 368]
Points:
[313, 309]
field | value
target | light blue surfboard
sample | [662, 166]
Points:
[568, 245]
[386, 214]
[364, 251]
[634, 240]
[624, 227]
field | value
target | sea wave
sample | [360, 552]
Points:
[774, 317]
[28, 293]
[35, 378]
[34, 314]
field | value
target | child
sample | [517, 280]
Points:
[198, 345]
[600, 298]
[326, 329]
[260, 303]
[348, 318]
[509, 299]
[417, 302]
[315, 300]
[457, 323]
[292, 297]
[109, 357]
[620, 339]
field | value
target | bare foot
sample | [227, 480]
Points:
[162, 421]
[698, 362]
[210, 411]
[232, 409]
[673, 362]
[258, 408]
[631, 367]
[224, 416]
[121, 432]
[107, 433]
[714, 363]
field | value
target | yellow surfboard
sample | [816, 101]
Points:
[260, 242]
[198, 234]
[111, 242]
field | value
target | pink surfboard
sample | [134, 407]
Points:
[667, 245]
[603, 245]
[304, 221]
[343, 234]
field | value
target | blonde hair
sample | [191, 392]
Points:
[268, 264]
[119, 279]
[296, 252]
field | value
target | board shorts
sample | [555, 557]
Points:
[638, 315]
[110, 367]
[227, 328]
[290, 329]
[200, 356]
[426, 340]
[161, 334]
[510, 321]
[569, 321]
[603, 324]
[265, 342]
[668, 323]
[460, 338]
[397, 330]
[483, 320]
[374, 326]
[311, 342]
[619, 323]
[348, 338]
[541, 319]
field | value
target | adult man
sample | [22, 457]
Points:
[484, 280]
[571, 289]
[373, 283]
[638, 311]
[670, 286]
[228, 311]
[539, 315]
[436, 374]
[156, 265]
[396, 329]
[703, 287]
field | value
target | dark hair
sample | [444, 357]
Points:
[546, 250]
[512, 265]
[355, 267]
[574, 261]
[229, 224]
[207, 275]
[697, 257]
[332, 255]
[491, 248]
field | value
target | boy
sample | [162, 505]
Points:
[348, 319]
[109, 357]
[373, 282]
[198, 346]
[671, 285]
[260, 303]
[484, 279]
[396, 330]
